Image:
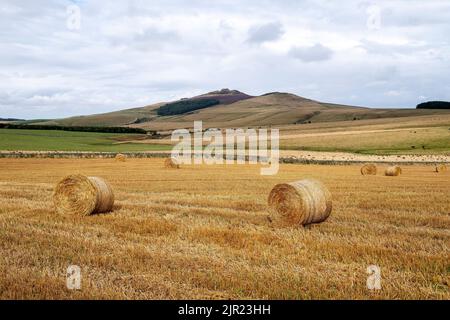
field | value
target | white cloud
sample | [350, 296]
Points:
[136, 52]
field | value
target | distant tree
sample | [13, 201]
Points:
[434, 105]
[10, 119]
[72, 128]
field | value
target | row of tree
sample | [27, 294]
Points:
[10, 119]
[66, 128]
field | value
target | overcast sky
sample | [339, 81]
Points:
[123, 54]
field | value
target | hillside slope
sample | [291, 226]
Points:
[236, 109]
[276, 109]
[117, 118]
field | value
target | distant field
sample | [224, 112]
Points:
[202, 232]
[432, 140]
[49, 140]
[408, 135]
[422, 135]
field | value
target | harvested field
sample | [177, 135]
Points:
[171, 163]
[203, 232]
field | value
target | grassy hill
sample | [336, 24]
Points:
[111, 119]
[236, 109]
[137, 116]
[276, 109]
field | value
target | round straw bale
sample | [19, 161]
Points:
[393, 171]
[301, 202]
[171, 163]
[121, 157]
[369, 169]
[441, 168]
[81, 195]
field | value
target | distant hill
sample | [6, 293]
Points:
[434, 105]
[232, 108]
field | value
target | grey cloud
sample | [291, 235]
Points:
[317, 52]
[267, 32]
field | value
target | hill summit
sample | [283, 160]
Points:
[224, 96]
[226, 91]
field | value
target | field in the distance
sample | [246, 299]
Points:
[422, 135]
[407, 135]
[202, 232]
[54, 140]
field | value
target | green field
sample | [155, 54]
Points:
[415, 140]
[51, 140]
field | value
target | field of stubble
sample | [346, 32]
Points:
[202, 232]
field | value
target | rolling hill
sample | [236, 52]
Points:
[233, 108]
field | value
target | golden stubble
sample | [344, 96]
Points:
[204, 232]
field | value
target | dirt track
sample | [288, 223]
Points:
[353, 157]
[286, 156]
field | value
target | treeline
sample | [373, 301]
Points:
[434, 105]
[10, 119]
[66, 128]
[184, 106]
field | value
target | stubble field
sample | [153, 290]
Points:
[203, 232]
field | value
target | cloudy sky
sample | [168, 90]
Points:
[62, 58]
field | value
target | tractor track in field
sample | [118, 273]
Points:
[286, 156]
